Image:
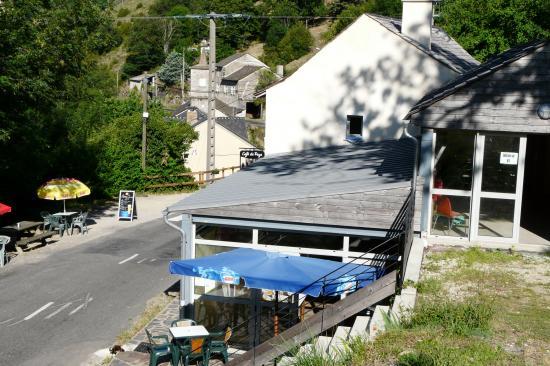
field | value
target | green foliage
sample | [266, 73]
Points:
[123, 12]
[119, 149]
[44, 44]
[434, 352]
[475, 255]
[145, 48]
[295, 43]
[430, 285]
[471, 316]
[490, 27]
[348, 12]
[170, 71]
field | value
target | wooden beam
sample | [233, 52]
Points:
[319, 322]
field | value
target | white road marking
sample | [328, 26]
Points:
[79, 307]
[142, 260]
[128, 259]
[6, 321]
[38, 311]
[58, 310]
[17, 322]
[152, 260]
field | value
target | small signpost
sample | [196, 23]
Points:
[250, 155]
[127, 205]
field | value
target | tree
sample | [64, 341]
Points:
[43, 45]
[296, 43]
[170, 71]
[145, 47]
[486, 28]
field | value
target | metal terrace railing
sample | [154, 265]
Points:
[269, 333]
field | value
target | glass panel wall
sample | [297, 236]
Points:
[454, 160]
[224, 233]
[496, 217]
[298, 240]
[450, 215]
[500, 164]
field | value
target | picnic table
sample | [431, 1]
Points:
[24, 233]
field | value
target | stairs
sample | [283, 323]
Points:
[326, 319]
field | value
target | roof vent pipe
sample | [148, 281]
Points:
[417, 20]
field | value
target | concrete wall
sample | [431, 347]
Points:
[367, 70]
[228, 146]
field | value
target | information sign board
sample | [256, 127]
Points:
[127, 205]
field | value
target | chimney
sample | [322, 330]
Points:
[204, 50]
[417, 21]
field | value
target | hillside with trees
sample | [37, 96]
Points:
[61, 111]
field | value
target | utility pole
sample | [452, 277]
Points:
[211, 138]
[144, 124]
[182, 75]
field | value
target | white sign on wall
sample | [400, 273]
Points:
[509, 158]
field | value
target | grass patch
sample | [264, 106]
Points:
[470, 317]
[429, 285]
[152, 309]
[476, 255]
[435, 352]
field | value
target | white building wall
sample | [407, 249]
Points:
[367, 70]
[228, 146]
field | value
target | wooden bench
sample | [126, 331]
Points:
[23, 242]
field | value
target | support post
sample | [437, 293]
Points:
[211, 138]
[182, 75]
[186, 282]
[426, 172]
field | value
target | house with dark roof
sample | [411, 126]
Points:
[236, 79]
[231, 137]
[363, 82]
[486, 153]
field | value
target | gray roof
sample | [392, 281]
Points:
[237, 125]
[227, 109]
[181, 113]
[363, 185]
[242, 73]
[443, 47]
[229, 59]
[480, 72]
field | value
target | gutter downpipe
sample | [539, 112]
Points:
[413, 196]
[182, 304]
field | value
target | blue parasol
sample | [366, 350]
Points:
[278, 271]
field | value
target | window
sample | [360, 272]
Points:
[224, 233]
[298, 240]
[354, 125]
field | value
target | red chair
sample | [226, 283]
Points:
[443, 208]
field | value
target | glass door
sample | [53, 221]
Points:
[452, 183]
[498, 187]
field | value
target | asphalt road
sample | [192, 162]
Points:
[59, 309]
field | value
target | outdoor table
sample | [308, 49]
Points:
[20, 232]
[183, 334]
[66, 216]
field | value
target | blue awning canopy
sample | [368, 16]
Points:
[277, 271]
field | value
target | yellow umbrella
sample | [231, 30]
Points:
[63, 189]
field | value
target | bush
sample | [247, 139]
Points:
[118, 148]
[296, 43]
[123, 12]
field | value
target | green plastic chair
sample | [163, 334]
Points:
[195, 350]
[57, 224]
[80, 223]
[220, 346]
[4, 240]
[160, 346]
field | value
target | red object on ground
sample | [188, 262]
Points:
[4, 209]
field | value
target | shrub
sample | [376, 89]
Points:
[123, 12]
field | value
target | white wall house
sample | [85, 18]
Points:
[231, 138]
[371, 74]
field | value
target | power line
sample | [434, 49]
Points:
[233, 16]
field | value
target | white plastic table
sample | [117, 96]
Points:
[192, 331]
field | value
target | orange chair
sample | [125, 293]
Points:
[443, 209]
